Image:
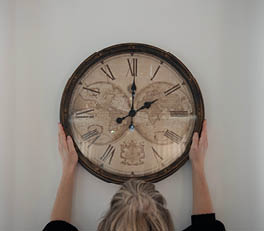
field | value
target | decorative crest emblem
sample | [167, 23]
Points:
[132, 153]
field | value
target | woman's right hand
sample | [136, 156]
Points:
[67, 151]
[199, 147]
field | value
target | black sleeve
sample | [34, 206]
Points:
[59, 225]
[205, 222]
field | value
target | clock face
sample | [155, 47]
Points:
[131, 113]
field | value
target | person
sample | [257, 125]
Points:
[137, 205]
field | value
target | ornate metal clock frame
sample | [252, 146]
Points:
[122, 49]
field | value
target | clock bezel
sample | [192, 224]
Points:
[123, 49]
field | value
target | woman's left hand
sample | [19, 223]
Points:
[67, 151]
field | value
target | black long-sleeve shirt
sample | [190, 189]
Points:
[201, 222]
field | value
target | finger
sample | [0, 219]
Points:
[60, 134]
[203, 138]
[63, 141]
[59, 144]
[70, 145]
[61, 153]
[195, 140]
[60, 141]
[59, 131]
[206, 135]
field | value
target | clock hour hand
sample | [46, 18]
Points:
[133, 112]
[146, 105]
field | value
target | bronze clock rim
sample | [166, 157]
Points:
[132, 48]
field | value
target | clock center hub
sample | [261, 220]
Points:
[132, 113]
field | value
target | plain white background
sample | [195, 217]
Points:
[43, 41]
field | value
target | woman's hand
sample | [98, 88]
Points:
[67, 151]
[199, 147]
[63, 204]
[202, 203]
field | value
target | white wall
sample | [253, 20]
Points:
[220, 41]
[7, 111]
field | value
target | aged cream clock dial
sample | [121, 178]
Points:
[131, 110]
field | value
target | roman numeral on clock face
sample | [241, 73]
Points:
[108, 154]
[173, 136]
[91, 134]
[108, 72]
[172, 89]
[97, 91]
[132, 66]
[93, 140]
[178, 113]
[155, 73]
[84, 114]
[157, 156]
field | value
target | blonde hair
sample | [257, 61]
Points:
[137, 206]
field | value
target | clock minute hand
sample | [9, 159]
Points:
[133, 89]
[132, 111]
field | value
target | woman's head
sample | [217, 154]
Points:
[137, 206]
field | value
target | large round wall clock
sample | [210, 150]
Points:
[131, 110]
